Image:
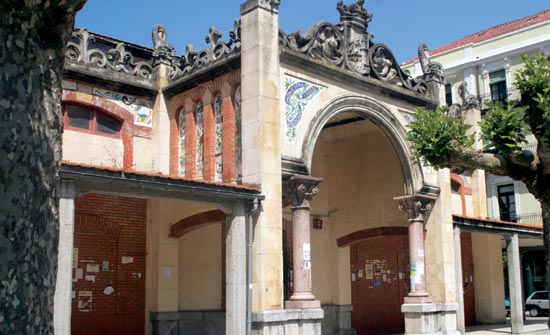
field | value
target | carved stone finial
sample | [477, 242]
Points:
[299, 190]
[354, 12]
[433, 71]
[468, 100]
[416, 207]
[164, 53]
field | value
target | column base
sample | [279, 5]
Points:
[424, 299]
[287, 321]
[302, 304]
[430, 319]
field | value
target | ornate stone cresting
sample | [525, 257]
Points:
[164, 53]
[433, 71]
[193, 59]
[348, 45]
[79, 49]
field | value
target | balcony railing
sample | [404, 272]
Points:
[511, 93]
[529, 218]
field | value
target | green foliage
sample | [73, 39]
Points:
[502, 128]
[533, 80]
[435, 135]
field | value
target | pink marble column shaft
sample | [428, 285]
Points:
[416, 207]
[299, 192]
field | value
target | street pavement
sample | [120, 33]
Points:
[531, 326]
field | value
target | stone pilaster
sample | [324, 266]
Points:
[261, 151]
[417, 207]
[235, 278]
[299, 192]
[461, 323]
[64, 281]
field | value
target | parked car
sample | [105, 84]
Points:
[537, 303]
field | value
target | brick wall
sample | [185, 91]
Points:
[110, 236]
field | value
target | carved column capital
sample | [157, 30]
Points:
[416, 207]
[299, 190]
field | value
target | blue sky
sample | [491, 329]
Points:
[400, 24]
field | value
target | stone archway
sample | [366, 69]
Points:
[358, 146]
[371, 110]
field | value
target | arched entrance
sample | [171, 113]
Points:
[357, 145]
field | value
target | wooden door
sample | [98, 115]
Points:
[379, 283]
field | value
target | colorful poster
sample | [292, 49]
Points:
[369, 269]
[376, 264]
[377, 280]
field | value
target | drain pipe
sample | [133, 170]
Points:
[253, 210]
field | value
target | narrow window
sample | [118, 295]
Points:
[238, 135]
[448, 94]
[199, 121]
[218, 151]
[497, 83]
[181, 142]
[507, 203]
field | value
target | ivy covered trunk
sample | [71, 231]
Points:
[33, 34]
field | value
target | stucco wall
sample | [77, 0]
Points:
[79, 147]
[200, 266]
[362, 175]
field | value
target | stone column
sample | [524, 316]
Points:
[300, 191]
[461, 323]
[514, 282]
[416, 207]
[235, 278]
[64, 281]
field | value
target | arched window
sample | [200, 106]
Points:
[199, 122]
[238, 135]
[218, 150]
[181, 142]
[90, 120]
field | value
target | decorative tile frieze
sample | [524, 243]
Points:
[298, 94]
[140, 108]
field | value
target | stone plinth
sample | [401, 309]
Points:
[288, 321]
[430, 319]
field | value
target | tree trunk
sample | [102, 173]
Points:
[545, 205]
[33, 35]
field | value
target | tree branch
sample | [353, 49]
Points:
[517, 166]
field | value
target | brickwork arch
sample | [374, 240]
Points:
[196, 221]
[94, 223]
[371, 232]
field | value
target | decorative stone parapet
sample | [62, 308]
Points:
[288, 321]
[430, 319]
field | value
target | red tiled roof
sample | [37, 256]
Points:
[489, 33]
[155, 174]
